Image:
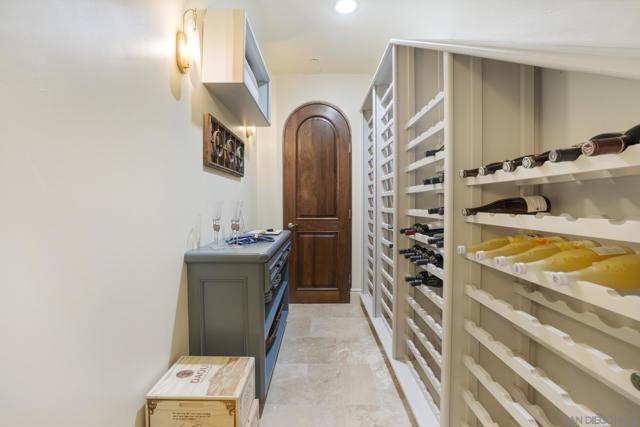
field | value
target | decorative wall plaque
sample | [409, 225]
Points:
[222, 149]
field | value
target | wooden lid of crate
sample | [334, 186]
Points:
[204, 377]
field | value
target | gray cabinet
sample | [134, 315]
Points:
[238, 303]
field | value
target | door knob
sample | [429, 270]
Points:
[291, 225]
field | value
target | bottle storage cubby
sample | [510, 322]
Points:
[473, 339]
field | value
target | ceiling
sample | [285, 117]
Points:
[294, 32]
[309, 36]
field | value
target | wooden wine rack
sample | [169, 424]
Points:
[493, 348]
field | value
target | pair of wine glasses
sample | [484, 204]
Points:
[236, 221]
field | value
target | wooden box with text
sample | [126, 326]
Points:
[205, 391]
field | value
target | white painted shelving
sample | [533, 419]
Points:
[491, 348]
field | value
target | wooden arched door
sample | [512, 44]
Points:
[317, 203]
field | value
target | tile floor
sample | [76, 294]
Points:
[331, 373]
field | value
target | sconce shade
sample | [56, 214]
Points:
[182, 52]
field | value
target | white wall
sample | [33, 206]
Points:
[102, 190]
[346, 91]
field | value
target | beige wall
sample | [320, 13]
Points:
[346, 91]
[102, 190]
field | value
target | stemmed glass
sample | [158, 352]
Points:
[217, 216]
[235, 222]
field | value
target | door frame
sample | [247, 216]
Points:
[350, 175]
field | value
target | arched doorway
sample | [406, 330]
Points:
[317, 203]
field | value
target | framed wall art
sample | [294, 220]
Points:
[222, 149]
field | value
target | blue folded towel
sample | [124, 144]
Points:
[249, 239]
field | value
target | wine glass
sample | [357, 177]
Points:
[235, 222]
[217, 216]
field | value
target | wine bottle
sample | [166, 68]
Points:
[489, 169]
[465, 173]
[438, 179]
[620, 272]
[513, 205]
[436, 211]
[489, 245]
[424, 278]
[617, 144]
[516, 247]
[415, 250]
[572, 153]
[564, 154]
[426, 229]
[512, 165]
[571, 260]
[535, 160]
[543, 251]
[433, 152]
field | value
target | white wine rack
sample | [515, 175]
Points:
[492, 348]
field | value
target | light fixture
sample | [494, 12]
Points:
[346, 6]
[183, 41]
[249, 131]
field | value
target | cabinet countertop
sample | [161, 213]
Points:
[258, 252]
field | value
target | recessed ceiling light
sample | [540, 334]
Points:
[346, 6]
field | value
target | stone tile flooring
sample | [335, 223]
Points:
[330, 373]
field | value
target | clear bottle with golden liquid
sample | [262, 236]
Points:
[543, 251]
[619, 272]
[493, 243]
[517, 247]
[572, 260]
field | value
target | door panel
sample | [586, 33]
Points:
[317, 202]
[316, 164]
[318, 256]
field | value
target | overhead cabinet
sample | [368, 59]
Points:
[233, 67]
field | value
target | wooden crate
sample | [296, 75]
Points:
[205, 391]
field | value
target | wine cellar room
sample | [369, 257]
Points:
[345, 213]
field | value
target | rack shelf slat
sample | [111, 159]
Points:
[532, 375]
[386, 308]
[433, 103]
[596, 363]
[386, 259]
[599, 296]
[597, 228]
[424, 340]
[387, 127]
[432, 404]
[534, 410]
[428, 372]
[431, 295]
[388, 159]
[387, 94]
[426, 318]
[623, 332]
[426, 161]
[582, 169]
[432, 131]
[386, 276]
[478, 410]
[428, 188]
[386, 292]
[503, 397]
[436, 271]
[424, 213]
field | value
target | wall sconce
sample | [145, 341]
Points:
[183, 41]
[249, 131]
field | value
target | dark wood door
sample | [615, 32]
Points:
[317, 203]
